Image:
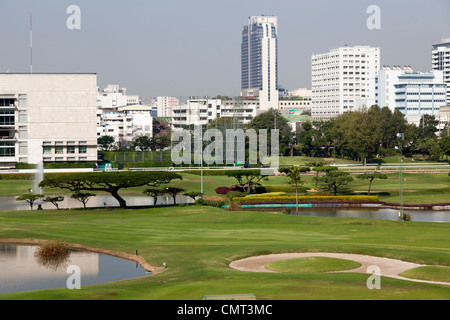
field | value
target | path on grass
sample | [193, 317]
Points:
[388, 267]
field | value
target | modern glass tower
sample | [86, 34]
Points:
[259, 54]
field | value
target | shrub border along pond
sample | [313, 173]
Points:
[289, 199]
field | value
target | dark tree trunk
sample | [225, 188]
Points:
[115, 194]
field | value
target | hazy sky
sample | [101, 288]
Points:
[192, 47]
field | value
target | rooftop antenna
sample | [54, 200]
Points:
[31, 43]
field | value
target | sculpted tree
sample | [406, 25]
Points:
[247, 179]
[335, 178]
[110, 182]
[371, 177]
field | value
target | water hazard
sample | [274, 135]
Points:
[22, 271]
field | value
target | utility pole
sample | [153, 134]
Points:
[400, 146]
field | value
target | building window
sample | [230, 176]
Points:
[59, 149]
[70, 149]
[7, 149]
[7, 118]
[47, 150]
[82, 149]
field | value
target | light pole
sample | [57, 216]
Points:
[400, 137]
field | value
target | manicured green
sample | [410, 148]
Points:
[431, 273]
[312, 265]
[198, 243]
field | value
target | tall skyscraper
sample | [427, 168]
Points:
[343, 80]
[259, 54]
[440, 60]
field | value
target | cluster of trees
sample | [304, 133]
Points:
[83, 184]
[363, 134]
[159, 141]
[358, 135]
[333, 179]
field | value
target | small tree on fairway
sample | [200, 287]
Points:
[83, 197]
[30, 198]
[293, 175]
[247, 179]
[54, 200]
[173, 192]
[334, 179]
[321, 169]
[155, 193]
[371, 177]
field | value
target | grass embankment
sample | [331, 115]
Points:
[198, 243]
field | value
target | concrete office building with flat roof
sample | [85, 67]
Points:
[47, 117]
[343, 80]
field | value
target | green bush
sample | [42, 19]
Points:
[287, 189]
[306, 198]
[233, 194]
[269, 194]
[16, 176]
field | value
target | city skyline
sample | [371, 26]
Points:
[193, 48]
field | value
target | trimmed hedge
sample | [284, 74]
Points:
[264, 195]
[262, 199]
[287, 189]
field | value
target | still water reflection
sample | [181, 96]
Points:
[21, 271]
[10, 203]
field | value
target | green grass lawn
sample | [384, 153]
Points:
[312, 265]
[198, 243]
[431, 273]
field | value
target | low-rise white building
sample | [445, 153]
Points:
[202, 111]
[46, 117]
[126, 123]
[413, 93]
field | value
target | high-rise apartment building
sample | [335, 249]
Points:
[440, 60]
[259, 56]
[343, 80]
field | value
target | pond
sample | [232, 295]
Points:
[22, 271]
[372, 213]
[10, 203]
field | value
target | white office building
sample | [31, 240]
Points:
[122, 116]
[202, 111]
[343, 80]
[165, 106]
[413, 93]
[440, 60]
[259, 61]
[113, 96]
[47, 118]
